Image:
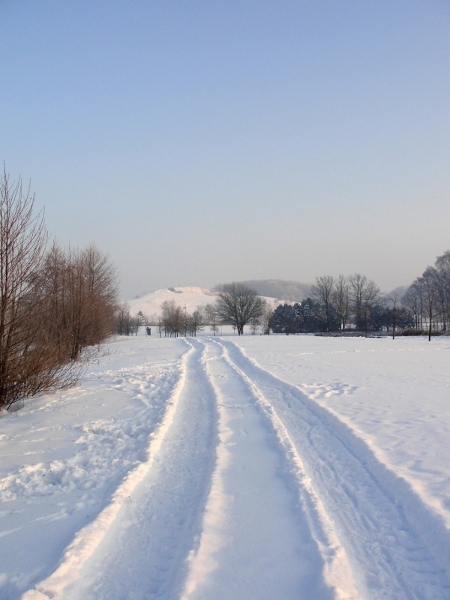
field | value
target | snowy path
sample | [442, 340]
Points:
[141, 551]
[256, 540]
[250, 490]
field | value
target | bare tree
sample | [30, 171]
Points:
[54, 290]
[323, 292]
[214, 327]
[394, 299]
[266, 318]
[172, 318]
[160, 325]
[210, 313]
[29, 361]
[90, 298]
[125, 323]
[101, 292]
[428, 284]
[254, 324]
[413, 301]
[237, 304]
[211, 318]
[442, 266]
[428, 297]
[341, 300]
[195, 321]
[364, 294]
[80, 290]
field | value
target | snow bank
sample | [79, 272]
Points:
[64, 455]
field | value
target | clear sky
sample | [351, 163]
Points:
[199, 142]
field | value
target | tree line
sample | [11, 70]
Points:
[54, 303]
[355, 303]
[341, 304]
[176, 321]
[337, 305]
[428, 297]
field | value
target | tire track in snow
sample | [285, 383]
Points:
[389, 556]
[137, 546]
[257, 540]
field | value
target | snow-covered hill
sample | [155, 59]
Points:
[190, 297]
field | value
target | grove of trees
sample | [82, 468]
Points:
[176, 321]
[423, 309]
[340, 304]
[125, 323]
[53, 303]
[428, 297]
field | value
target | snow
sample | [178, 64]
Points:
[190, 296]
[233, 467]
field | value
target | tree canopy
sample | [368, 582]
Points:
[237, 304]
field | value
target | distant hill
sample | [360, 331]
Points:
[291, 291]
[189, 296]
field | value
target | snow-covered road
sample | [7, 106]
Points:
[242, 487]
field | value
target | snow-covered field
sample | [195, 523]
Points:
[234, 468]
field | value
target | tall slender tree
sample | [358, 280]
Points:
[323, 292]
[341, 300]
[364, 294]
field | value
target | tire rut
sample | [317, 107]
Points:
[389, 557]
[146, 544]
[257, 540]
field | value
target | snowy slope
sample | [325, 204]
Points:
[189, 296]
[257, 467]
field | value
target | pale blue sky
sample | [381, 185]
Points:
[200, 142]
